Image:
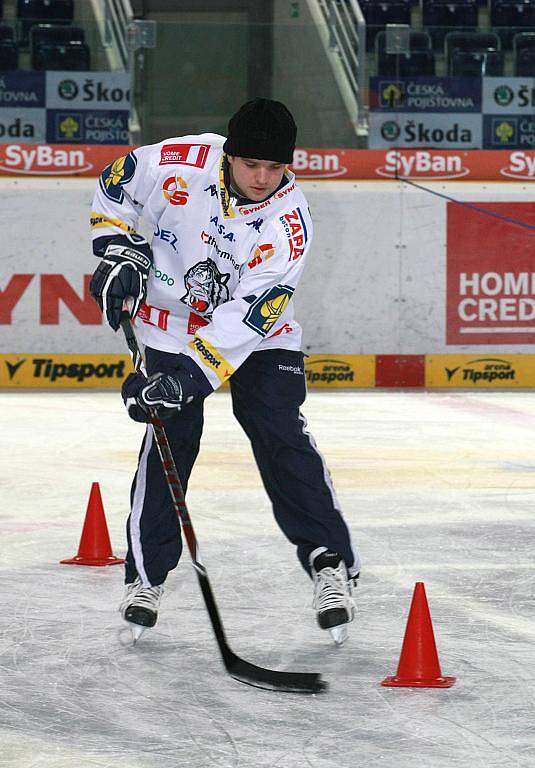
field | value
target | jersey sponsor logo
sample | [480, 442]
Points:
[98, 220]
[285, 328]
[261, 253]
[296, 232]
[224, 194]
[221, 229]
[184, 154]
[206, 287]
[155, 316]
[195, 322]
[173, 190]
[116, 175]
[266, 310]
[211, 357]
[162, 276]
[246, 210]
[256, 224]
[212, 189]
[212, 242]
[167, 235]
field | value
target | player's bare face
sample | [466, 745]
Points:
[255, 179]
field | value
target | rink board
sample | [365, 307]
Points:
[58, 371]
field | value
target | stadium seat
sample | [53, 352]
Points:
[50, 34]
[71, 56]
[9, 55]
[509, 17]
[440, 17]
[476, 63]
[470, 41]
[525, 63]
[524, 54]
[31, 12]
[420, 60]
[379, 13]
[6, 32]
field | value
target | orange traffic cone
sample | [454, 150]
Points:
[418, 664]
[95, 546]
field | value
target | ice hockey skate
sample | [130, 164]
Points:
[333, 594]
[139, 606]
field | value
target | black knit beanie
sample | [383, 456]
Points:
[262, 129]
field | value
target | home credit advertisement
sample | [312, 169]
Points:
[313, 164]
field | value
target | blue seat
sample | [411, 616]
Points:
[524, 54]
[31, 12]
[470, 41]
[476, 63]
[6, 32]
[379, 13]
[509, 17]
[419, 61]
[440, 17]
[9, 55]
[50, 34]
[525, 63]
[74, 57]
[415, 64]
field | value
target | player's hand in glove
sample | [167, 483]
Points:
[122, 274]
[162, 393]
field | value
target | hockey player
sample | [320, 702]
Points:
[211, 295]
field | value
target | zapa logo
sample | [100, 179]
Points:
[296, 232]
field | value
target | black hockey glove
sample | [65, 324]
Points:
[122, 274]
[162, 393]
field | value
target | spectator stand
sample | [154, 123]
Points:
[508, 24]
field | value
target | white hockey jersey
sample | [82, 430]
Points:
[224, 274]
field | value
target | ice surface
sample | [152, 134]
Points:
[438, 487]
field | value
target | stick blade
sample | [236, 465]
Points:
[273, 680]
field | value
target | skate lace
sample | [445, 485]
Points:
[144, 597]
[331, 589]
[148, 597]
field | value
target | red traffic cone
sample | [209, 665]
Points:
[95, 546]
[418, 664]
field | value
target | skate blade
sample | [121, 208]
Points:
[131, 633]
[339, 634]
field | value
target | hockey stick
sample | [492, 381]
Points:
[239, 669]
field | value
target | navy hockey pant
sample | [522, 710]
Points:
[267, 390]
